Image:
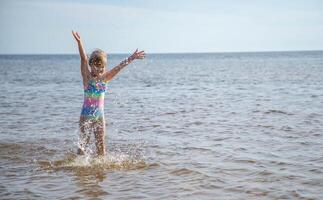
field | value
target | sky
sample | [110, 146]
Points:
[160, 26]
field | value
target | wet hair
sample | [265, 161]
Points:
[98, 57]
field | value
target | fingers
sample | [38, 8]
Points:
[140, 54]
[137, 51]
[74, 35]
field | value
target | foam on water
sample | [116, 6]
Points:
[118, 157]
[111, 161]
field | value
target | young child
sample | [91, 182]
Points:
[95, 79]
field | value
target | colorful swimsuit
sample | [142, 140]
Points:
[93, 106]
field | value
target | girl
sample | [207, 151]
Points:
[95, 80]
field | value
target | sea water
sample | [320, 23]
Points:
[179, 126]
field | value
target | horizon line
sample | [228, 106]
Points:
[206, 52]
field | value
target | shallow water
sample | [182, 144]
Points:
[179, 126]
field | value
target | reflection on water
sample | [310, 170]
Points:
[88, 181]
[89, 178]
[89, 172]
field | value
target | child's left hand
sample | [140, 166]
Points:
[138, 54]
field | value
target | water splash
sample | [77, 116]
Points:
[120, 156]
[86, 133]
[111, 161]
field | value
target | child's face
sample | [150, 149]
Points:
[98, 69]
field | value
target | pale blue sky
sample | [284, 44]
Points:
[120, 26]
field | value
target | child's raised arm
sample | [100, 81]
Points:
[84, 62]
[136, 55]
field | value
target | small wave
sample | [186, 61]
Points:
[194, 123]
[199, 149]
[266, 126]
[246, 161]
[265, 173]
[170, 113]
[185, 171]
[272, 111]
[286, 128]
[181, 171]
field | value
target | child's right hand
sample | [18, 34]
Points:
[76, 36]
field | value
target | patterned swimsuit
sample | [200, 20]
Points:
[93, 106]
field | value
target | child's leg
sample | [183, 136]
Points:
[84, 135]
[99, 134]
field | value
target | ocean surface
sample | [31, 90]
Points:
[179, 126]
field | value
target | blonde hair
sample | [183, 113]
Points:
[98, 57]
